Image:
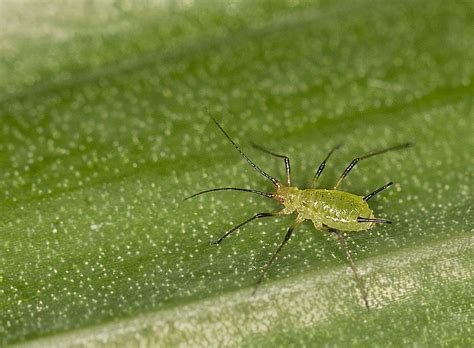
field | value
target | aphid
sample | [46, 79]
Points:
[330, 210]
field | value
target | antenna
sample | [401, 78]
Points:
[254, 166]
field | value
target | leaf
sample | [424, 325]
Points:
[105, 129]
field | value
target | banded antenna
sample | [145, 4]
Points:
[254, 166]
[265, 194]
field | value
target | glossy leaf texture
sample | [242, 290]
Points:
[105, 128]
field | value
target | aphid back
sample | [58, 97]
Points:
[326, 208]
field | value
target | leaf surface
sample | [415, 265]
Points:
[105, 129]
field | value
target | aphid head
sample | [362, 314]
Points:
[286, 195]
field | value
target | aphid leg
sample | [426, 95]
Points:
[257, 216]
[275, 254]
[371, 154]
[285, 158]
[370, 195]
[323, 165]
[357, 276]
[380, 221]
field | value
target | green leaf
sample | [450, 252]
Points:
[105, 129]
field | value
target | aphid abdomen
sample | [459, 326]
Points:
[335, 209]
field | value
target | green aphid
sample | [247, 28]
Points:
[330, 210]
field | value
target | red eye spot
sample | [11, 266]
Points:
[279, 198]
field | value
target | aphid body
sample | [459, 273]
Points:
[326, 208]
[330, 210]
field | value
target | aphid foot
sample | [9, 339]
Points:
[366, 301]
